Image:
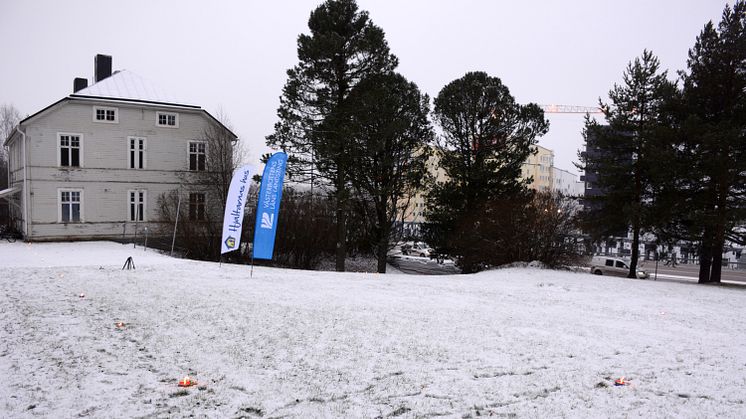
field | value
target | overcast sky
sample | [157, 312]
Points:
[233, 55]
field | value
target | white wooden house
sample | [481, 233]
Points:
[93, 164]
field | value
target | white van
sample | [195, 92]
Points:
[605, 265]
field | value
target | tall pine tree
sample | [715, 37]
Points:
[343, 48]
[713, 139]
[486, 137]
[621, 156]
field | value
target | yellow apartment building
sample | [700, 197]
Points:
[539, 166]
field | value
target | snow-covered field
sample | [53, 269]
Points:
[511, 342]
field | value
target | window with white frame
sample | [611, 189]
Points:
[105, 114]
[136, 208]
[167, 119]
[197, 155]
[70, 205]
[70, 147]
[136, 149]
[197, 206]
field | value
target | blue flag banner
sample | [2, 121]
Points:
[268, 206]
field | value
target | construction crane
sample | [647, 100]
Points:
[570, 109]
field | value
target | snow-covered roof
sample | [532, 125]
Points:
[126, 85]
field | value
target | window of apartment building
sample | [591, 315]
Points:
[70, 205]
[137, 207]
[70, 146]
[197, 206]
[136, 149]
[104, 114]
[167, 119]
[197, 155]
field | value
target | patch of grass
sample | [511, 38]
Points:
[400, 411]
[180, 393]
[253, 411]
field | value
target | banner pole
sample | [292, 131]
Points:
[251, 275]
[176, 223]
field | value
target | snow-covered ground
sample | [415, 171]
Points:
[519, 341]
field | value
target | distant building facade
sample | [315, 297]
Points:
[566, 183]
[414, 214]
[538, 166]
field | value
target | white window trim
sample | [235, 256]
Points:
[157, 119]
[106, 108]
[144, 206]
[188, 154]
[144, 154]
[59, 205]
[59, 149]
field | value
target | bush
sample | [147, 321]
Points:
[536, 226]
[194, 239]
[306, 230]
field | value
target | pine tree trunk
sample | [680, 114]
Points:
[341, 225]
[717, 263]
[635, 252]
[382, 250]
[636, 223]
[705, 257]
[719, 239]
[384, 231]
[717, 252]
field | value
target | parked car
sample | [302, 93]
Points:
[604, 265]
[416, 249]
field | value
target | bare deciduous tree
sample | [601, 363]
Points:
[9, 117]
[201, 217]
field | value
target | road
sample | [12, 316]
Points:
[690, 272]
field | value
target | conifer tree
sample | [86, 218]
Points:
[389, 136]
[486, 137]
[343, 48]
[621, 151]
[713, 139]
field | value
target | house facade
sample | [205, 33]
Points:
[93, 164]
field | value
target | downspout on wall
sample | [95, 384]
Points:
[25, 184]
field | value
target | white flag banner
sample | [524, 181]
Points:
[234, 205]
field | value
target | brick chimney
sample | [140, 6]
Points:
[101, 67]
[79, 84]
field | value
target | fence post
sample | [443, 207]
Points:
[176, 223]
